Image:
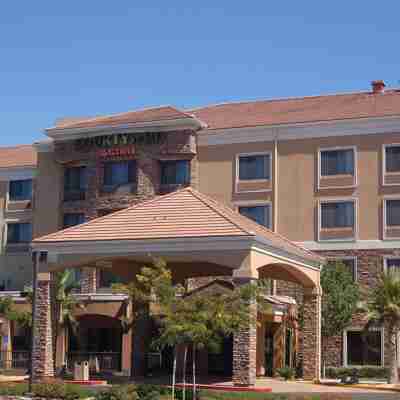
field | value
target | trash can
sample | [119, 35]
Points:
[81, 371]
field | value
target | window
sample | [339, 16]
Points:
[252, 167]
[107, 278]
[72, 219]
[75, 183]
[337, 215]
[393, 264]
[392, 158]
[259, 214]
[392, 212]
[118, 173]
[175, 172]
[19, 233]
[363, 348]
[20, 190]
[337, 162]
[349, 263]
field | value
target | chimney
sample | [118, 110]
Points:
[378, 87]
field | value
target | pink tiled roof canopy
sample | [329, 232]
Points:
[186, 213]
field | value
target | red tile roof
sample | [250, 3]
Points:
[18, 156]
[182, 214]
[298, 110]
[130, 117]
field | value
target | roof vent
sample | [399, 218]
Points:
[378, 86]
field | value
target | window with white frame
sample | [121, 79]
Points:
[337, 162]
[254, 167]
[258, 213]
[392, 158]
[19, 232]
[337, 214]
[392, 211]
[363, 348]
[20, 190]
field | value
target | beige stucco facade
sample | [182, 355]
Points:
[296, 188]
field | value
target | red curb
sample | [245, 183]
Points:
[90, 382]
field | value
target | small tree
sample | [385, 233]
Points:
[384, 309]
[151, 287]
[201, 319]
[339, 301]
[65, 305]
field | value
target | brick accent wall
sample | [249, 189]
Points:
[311, 336]
[176, 146]
[245, 354]
[42, 354]
[369, 263]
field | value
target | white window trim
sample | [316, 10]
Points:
[359, 329]
[14, 221]
[355, 173]
[9, 201]
[237, 180]
[256, 203]
[338, 200]
[384, 237]
[338, 258]
[384, 172]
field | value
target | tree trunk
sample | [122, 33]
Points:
[394, 373]
[184, 373]
[194, 370]
[174, 375]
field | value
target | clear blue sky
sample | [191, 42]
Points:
[84, 57]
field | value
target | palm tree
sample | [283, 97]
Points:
[65, 305]
[384, 309]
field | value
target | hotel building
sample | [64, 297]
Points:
[225, 194]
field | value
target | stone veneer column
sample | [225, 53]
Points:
[245, 348]
[89, 280]
[42, 344]
[312, 334]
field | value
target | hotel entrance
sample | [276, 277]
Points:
[99, 340]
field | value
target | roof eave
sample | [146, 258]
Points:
[65, 133]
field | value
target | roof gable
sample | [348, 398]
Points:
[186, 213]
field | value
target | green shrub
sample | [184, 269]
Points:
[286, 373]
[50, 390]
[151, 392]
[119, 392]
[363, 372]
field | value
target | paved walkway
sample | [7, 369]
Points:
[279, 386]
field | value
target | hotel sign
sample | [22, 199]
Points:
[120, 140]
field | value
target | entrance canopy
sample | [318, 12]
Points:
[185, 227]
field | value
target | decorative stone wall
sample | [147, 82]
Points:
[369, 263]
[42, 353]
[245, 353]
[311, 337]
[175, 146]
